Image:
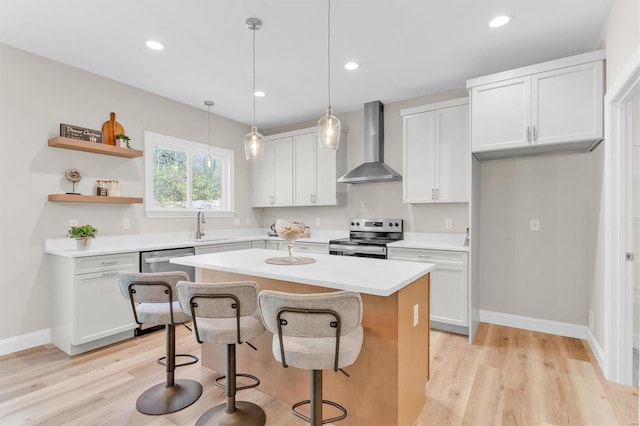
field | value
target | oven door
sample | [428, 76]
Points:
[359, 250]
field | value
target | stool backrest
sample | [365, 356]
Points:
[218, 300]
[220, 305]
[290, 308]
[152, 287]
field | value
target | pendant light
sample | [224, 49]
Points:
[329, 124]
[254, 141]
[209, 104]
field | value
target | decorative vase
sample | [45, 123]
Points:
[83, 243]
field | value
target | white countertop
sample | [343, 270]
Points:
[432, 241]
[113, 244]
[364, 275]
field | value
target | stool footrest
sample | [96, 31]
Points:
[238, 388]
[194, 358]
[324, 401]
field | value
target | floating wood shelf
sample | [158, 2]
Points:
[71, 198]
[97, 148]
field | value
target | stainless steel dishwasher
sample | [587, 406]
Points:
[158, 261]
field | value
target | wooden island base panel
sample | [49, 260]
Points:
[387, 382]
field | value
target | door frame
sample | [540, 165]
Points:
[618, 285]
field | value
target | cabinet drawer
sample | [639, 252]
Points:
[218, 248]
[85, 265]
[438, 257]
[311, 247]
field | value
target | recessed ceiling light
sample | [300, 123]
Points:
[499, 21]
[155, 45]
[259, 94]
[351, 66]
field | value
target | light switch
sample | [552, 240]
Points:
[126, 223]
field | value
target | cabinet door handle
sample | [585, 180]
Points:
[303, 248]
[109, 274]
[114, 262]
[433, 193]
[528, 134]
[437, 193]
[535, 134]
[424, 256]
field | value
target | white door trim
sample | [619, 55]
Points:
[618, 290]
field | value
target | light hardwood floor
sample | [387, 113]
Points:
[508, 376]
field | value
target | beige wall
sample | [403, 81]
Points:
[377, 199]
[37, 94]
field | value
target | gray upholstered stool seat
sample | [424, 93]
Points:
[154, 301]
[226, 313]
[314, 332]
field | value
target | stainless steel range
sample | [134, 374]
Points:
[368, 238]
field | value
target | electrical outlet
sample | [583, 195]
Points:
[448, 224]
[535, 224]
[73, 222]
[236, 221]
[126, 223]
[248, 221]
[317, 221]
[415, 315]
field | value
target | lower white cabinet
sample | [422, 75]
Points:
[87, 309]
[299, 246]
[218, 248]
[449, 283]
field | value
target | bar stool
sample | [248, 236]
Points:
[314, 332]
[226, 313]
[154, 301]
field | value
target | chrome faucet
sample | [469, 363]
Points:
[199, 219]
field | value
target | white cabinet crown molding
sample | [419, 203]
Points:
[343, 129]
[432, 107]
[597, 55]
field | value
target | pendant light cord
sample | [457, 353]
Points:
[254, 75]
[329, 52]
[209, 124]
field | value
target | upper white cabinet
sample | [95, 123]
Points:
[309, 178]
[550, 107]
[272, 176]
[436, 152]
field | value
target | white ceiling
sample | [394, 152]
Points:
[406, 48]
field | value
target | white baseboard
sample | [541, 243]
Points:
[25, 341]
[596, 349]
[535, 324]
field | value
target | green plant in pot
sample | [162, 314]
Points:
[82, 235]
[123, 140]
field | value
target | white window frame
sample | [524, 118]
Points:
[153, 140]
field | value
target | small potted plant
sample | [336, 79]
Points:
[123, 141]
[82, 235]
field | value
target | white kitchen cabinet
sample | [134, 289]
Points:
[259, 244]
[87, 309]
[449, 286]
[551, 107]
[219, 248]
[310, 178]
[272, 178]
[436, 152]
[299, 246]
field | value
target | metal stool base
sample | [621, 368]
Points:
[217, 381]
[162, 360]
[247, 413]
[163, 399]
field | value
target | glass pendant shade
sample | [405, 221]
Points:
[253, 144]
[329, 131]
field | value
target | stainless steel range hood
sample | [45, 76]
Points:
[373, 169]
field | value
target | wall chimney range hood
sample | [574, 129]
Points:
[373, 169]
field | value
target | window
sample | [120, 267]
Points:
[179, 181]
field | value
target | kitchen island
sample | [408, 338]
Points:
[387, 382]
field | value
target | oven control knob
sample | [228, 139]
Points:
[397, 224]
[352, 223]
[390, 224]
[357, 223]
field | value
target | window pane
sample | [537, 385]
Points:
[169, 178]
[206, 183]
